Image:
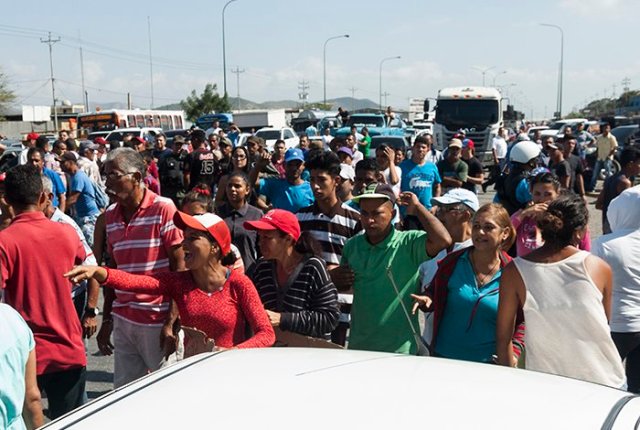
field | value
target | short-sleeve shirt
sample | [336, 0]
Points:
[378, 323]
[458, 170]
[474, 170]
[142, 247]
[17, 342]
[202, 166]
[576, 169]
[561, 169]
[86, 203]
[34, 286]
[419, 179]
[58, 186]
[283, 195]
[500, 146]
[605, 145]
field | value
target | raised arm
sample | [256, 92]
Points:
[438, 237]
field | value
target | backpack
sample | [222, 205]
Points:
[100, 196]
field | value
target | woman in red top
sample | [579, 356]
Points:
[210, 297]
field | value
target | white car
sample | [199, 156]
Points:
[146, 133]
[557, 128]
[270, 135]
[292, 388]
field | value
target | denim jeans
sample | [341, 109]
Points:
[600, 164]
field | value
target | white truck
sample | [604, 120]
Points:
[257, 119]
[477, 110]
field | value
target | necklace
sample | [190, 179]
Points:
[480, 280]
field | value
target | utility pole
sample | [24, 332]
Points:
[385, 95]
[237, 71]
[303, 94]
[353, 97]
[50, 42]
[625, 84]
[150, 57]
[84, 92]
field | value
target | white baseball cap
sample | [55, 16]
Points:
[458, 195]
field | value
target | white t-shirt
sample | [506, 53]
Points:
[500, 145]
[387, 177]
[357, 156]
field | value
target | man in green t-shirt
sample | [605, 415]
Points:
[364, 145]
[383, 260]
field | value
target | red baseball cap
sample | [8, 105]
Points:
[139, 140]
[468, 143]
[277, 219]
[32, 136]
[212, 224]
[100, 141]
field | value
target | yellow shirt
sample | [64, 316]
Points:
[606, 144]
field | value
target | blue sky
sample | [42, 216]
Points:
[279, 43]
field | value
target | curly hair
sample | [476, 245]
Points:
[564, 216]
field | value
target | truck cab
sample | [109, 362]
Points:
[375, 123]
[477, 110]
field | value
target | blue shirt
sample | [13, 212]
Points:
[16, 342]
[523, 193]
[283, 195]
[419, 180]
[468, 327]
[86, 203]
[58, 186]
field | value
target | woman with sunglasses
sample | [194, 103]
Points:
[463, 295]
[210, 296]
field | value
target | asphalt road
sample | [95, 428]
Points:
[100, 368]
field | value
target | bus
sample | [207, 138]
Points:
[106, 120]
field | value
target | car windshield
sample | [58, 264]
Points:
[394, 142]
[366, 120]
[269, 134]
[467, 113]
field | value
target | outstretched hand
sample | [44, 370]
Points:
[82, 273]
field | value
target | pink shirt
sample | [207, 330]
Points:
[142, 247]
[528, 235]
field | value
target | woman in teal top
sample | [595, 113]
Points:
[464, 292]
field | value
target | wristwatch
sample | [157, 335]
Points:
[92, 312]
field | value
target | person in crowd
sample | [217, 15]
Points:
[87, 161]
[226, 148]
[512, 190]
[326, 138]
[433, 155]
[82, 197]
[386, 159]
[28, 143]
[616, 184]
[21, 406]
[51, 161]
[235, 211]
[239, 164]
[576, 181]
[463, 295]
[364, 144]
[291, 193]
[214, 129]
[345, 155]
[607, 145]
[399, 156]
[213, 143]
[256, 147]
[331, 222]
[455, 211]
[6, 211]
[351, 141]
[452, 169]
[382, 265]
[499, 153]
[35, 157]
[343, 114]
[149, 181]
[559, 166]
[583, 139]
[143, 240]
[304, 144]
[170, 169]
[545, 188]
[475, 171]
[101, 152]
[277, 159]
[201, 165]
[33, 287]
[566, 297]
[311, 131]
[86, 304]
[618, 249]
[160, 149]
[292, 278]
[346, 185]
[420, 177]
[210, 297]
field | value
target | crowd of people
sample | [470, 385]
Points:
[332, 240]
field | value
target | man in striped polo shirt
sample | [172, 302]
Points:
[141, 239]
[332, 223]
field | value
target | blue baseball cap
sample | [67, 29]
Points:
[293, 154]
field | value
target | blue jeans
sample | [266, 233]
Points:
[600, 164]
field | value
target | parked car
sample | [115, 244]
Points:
[375, 123]
[9, 157]
[270, 135]
[558, 128]
[535, 128]
[626, 134]
[281, 387]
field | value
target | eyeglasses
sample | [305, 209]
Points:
[117, 175]
[239, 157]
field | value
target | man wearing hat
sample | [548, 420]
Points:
[452, 169]
[86, 161]
[384, 263]
[28, 142]
[475, 173]
[290, 193]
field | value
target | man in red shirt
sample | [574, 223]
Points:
[33, 285]
[141, 239]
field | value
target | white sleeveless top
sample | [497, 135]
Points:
[566, 330]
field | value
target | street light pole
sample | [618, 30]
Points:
[381, 62]
[559, 101]
[496, 76]
[324, 65]
[224, 49]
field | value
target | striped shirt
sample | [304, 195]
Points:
[332, 231]
[142, 247]
[308, 302]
